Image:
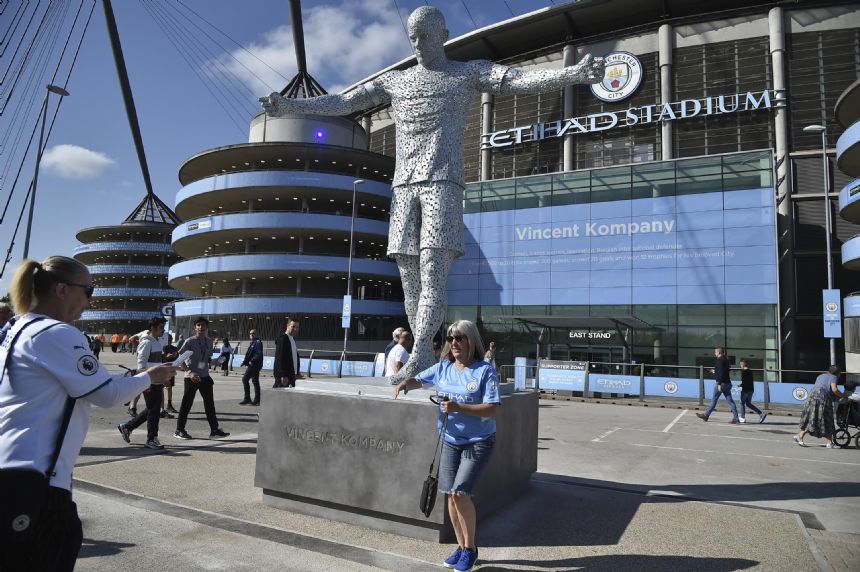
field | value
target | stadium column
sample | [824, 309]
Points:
[569, 59]
[488, 100]
[367, 124]
[785, 222]
[666, 41]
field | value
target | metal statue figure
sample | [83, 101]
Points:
[429, 103]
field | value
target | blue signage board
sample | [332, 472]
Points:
[566, 375]
[708, 248]
[523, 370]
[379, 365]
[346, 312]
[609, 383]
[672, 386]
[357, 369]
[832, 313]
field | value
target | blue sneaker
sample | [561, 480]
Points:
[452, 560]
[762, 417]
[467, 560]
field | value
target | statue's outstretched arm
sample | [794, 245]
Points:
[358, 99]
[589, 70]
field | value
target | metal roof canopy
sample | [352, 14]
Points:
[605, 322]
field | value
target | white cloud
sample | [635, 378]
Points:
[343, 44]
[74, 162]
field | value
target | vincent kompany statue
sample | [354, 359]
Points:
[429, 103]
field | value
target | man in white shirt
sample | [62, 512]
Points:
[148, 355]
[399, 354]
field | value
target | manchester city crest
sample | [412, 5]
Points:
[623, 77]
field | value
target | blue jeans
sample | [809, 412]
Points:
[461, 465]
[746, 399]
[724, 389]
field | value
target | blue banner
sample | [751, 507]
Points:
[832, 313]
[565, 375]
[523, 370]
[608, 383]
[357, 369]
[709, 248]
[687, 387]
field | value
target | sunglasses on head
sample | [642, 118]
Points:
[88, 289]
[459, 339]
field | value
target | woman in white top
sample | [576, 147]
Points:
[45, 366]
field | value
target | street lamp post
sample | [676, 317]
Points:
[355, 185]
[827, 224]
[62, 93]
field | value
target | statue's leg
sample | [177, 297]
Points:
[432, 307]
[410, 276]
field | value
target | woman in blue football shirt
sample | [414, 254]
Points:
[472, 388]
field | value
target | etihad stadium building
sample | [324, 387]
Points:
[675, 207]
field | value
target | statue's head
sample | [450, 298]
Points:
[427, 34]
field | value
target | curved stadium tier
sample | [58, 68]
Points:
[129, 263]
[266, 234]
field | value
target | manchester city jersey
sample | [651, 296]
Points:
[476, 384]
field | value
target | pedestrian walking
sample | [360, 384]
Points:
[287, 361]
[96, 346]
[747, 387]
[817, 416]
[197, 378]
[490, 356]
[253, 364]
[169, 353]
[114, 343]
[395, 337]
[48, 383]
[471, 386]
[399, 356]
[722, 385]
[123, 345]
[149, 354]
[226, 355]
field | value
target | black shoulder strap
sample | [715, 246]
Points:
[439, 441]
[67, 412]
[61, 436]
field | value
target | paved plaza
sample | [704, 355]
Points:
[617, 488]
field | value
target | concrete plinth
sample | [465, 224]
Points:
[346, 450]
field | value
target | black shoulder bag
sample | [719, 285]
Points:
[24, 492]
[431, 483]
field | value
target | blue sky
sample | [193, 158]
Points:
[90, 174]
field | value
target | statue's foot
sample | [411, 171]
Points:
[416, 364]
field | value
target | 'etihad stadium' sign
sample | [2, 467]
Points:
[604, 121]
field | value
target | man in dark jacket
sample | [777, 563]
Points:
[723, 386]
[287, 357]
[253, 363]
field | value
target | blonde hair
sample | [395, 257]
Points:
[34, 280]
[470, 330]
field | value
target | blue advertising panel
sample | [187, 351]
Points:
[832, 313]
[325, 366]
[566, 375]
[708, 248]
[357, 369]
[610, 383]
[672, 386]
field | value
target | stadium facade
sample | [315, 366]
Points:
[710, 141]
[129, 264]
[266, 234]
[677, 207]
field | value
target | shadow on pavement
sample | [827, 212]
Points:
[95, 548]
[613, 563]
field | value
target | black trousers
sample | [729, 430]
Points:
[57, 542]
[152, 414]
[284, 382]
[205, 386]
[252, 375]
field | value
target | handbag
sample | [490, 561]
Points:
[431, 483]
[24, 492]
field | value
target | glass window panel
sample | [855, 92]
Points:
[693, 168]
[571, 188]
[472, 199]
[750, 315]
[701, 315]
[653, 189]
[747, 180]
[611, 177]
[462, 313]
[698, 185]
[656, 314]
[739, 162]
[750, 337]
[702, 336]
[534, 192]
[603, 194]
